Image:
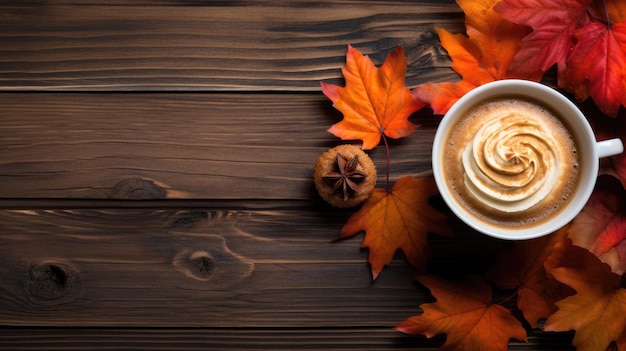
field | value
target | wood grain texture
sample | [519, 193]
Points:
[240, 278]
[155, 176]
[227, 339]
[194, 146]
[202, 339]
[209, 268]
[189, 45]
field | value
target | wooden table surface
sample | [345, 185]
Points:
[155, 176]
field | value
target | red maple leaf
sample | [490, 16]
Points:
[595, 66]
[601, 226]
[374, 101]
[586, 39]
[465, 313]
[399, 219]
[553, 23]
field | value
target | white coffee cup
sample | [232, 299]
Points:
[592, 151]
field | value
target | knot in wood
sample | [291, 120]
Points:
[51, 281]
[137, 189]
[199, 265]
[189, 219]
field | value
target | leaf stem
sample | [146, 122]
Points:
[388, 186]
[606, 13]
[507, 298]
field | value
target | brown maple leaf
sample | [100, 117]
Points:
[399, 219]
[480, 57]
[465, 313]
[521, 268]
[374, 101]
[597, 311]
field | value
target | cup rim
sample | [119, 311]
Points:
[557, 101]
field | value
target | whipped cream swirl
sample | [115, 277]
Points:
[512, 162]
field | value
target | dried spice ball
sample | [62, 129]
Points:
[344, 176]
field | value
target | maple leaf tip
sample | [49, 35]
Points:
[330, 90]
[352, 50]
[403, 328]
[375, 275]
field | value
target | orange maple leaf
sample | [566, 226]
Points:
[601, 226]
[374, 101]
[484, 55]
[398, 219]
[596, 312]
[465, 313]
[521, 268]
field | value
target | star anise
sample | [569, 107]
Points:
[347, 177]
[342, 178]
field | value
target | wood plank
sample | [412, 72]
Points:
[70, 339]
[237, 278]
[178, 145]
[224, 45]
[93, 339]
[205, 268]
[209, 268]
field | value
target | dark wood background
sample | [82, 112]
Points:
[155, 176]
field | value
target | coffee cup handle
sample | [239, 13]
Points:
[609, 147]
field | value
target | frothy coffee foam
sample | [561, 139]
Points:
[511, 161]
